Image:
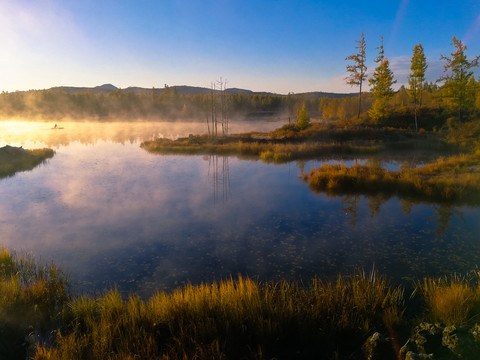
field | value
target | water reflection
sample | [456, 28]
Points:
[112, 213]
[219, 173]
[442, 212]
[39, 134]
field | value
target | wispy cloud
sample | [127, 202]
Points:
[399, 17]
[473, 32]
[400, 66]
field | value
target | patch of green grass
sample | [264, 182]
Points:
[13, 159]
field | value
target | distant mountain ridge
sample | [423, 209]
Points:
[192, 90]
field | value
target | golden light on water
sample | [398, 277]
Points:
[35, 134]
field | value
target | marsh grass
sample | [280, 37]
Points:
[31, 302]
[453, 300]
[232, 319]
[267, 150]
[455, 178]
[13, 159]
[289, 143]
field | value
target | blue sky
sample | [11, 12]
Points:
[263, 45]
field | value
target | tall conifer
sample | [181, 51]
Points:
[358, 70]
[458, 72]
[381, 84]
[417, 77]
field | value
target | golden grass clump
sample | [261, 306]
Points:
[230, 319]
[14, 159]
[268, 149]
[32, 298]
[456, 178]
[451, 300]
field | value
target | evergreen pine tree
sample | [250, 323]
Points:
[358, 70]
[458, 72]
[381, 85]
[417, 77]
[302, 120]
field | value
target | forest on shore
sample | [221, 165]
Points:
[452, 99]
[170, 104]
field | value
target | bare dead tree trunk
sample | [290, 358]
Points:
[213, 109]
[359, 102]
[222, 86]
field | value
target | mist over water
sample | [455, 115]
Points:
[110, 213]
[42, 133]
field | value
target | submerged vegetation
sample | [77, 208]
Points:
[232, 319]
[14, 159]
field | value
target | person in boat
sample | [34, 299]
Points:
[55, 126]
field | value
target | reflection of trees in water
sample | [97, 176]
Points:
[351, 203]
[443, 213]
[375, 202]
[219, 173]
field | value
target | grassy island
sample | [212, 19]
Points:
[351, 317]
[455, 178]
[447, 179]
[15, 159]
[288, 143]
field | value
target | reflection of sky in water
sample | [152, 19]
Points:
[37, 134]
[111, 212]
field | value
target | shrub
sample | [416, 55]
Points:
[302, 120]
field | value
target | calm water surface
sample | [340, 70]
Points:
[111, 213]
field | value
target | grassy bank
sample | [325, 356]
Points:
[455, 178]
[15, 159]
[232, 319]
[32, 299]
[267, 150]
[288, 144]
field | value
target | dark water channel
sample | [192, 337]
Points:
[111, 213]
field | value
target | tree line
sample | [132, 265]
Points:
[214, 106]
[453, 99]
[456, 99]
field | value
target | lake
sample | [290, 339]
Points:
[110, 213]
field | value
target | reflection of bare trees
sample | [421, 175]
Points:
[219, 172]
